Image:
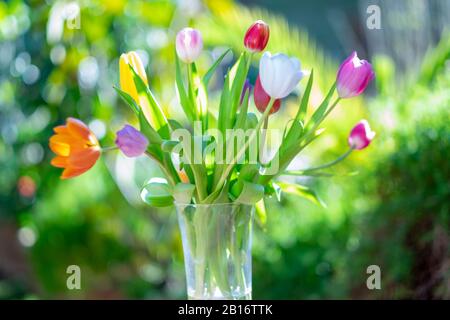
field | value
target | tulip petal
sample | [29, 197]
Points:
[279, 74]
[59, 162]
[71, 172]
[126, 78]
[61, 149]
[78, 129]
[84, 158]
[61, 129]
[137, 65]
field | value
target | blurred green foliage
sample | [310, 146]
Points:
[394, 213]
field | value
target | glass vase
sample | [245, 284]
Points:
[217, 242]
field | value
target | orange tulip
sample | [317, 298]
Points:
[76, 147]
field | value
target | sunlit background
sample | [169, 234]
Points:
[60, 59]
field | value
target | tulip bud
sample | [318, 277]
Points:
[126, 77]
[189, 44]
[279, 74]
[257, 36]
[262, 99]
[353, 76]
[247, 87]
[131, 142]
[361, 135]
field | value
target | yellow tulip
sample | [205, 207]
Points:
[126, 76]
[127, 83]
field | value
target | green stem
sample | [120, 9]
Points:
[332, 107]
[262, 140]
[236, 241]
[165, 170]
[199, 182]
[218, 168]
[111, 148]
[324, 166]
[200, 251]
[227, 171]
[191, 90]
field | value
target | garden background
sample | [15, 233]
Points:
[388, 205]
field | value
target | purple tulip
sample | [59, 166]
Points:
[247, 87]
[131, 142]
[361, 135]
[353, 76]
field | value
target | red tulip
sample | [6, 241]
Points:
[257, 36]
[262, 99]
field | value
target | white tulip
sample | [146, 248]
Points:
[279, 74]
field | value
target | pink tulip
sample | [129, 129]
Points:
[353, 76]
[361, 135]
[257, 36]
[189, 44]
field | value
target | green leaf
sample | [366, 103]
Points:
[250, 193]
[169, 145]
[261, 214]
[301, 114]
[274, 188]
[240, 70]
[301, 191]
[152, 136]
[156, 118]
[240, 121]
[183, 192]
[248, 171]
[224, 102]
[317, 117]
[191, 90]
[128, 100]
[185, 102]
[294, 133]
[157, 193]
[200, 97]
[174, 124]
[231, 93]
[212, 69]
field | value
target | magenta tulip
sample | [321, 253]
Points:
[354, 76]
[361, 135]
[131, 142]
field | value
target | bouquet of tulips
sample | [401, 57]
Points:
[217, 158]
[213, 168]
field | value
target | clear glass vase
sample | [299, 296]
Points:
[217, 242]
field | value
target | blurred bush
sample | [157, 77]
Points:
[395, 213]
